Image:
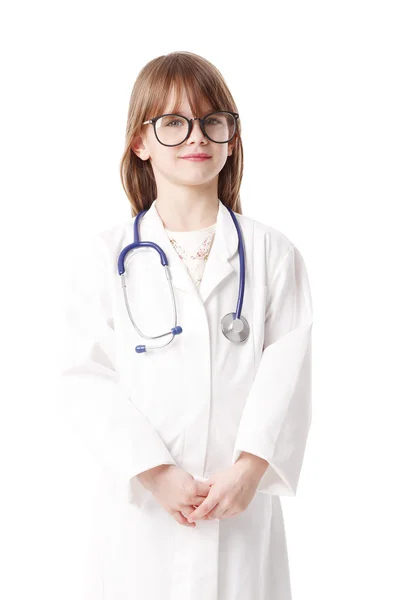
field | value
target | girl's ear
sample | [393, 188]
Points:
[139, 148]
[232, 146]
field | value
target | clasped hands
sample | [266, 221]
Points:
[225, 494]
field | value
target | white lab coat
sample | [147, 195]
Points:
[197, 404]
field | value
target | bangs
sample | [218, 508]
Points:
[200, 94]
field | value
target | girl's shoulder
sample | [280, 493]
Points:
[264, 233]
[271, 243]
[116, 233]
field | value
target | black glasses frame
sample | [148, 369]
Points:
[190, 125]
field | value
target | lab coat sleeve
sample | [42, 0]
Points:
[119, 437]
[277, 414]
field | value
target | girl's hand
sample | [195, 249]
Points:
[175, 490]
[232, 489]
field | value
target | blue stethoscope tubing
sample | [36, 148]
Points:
[234, 326]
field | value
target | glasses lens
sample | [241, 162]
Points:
[172, 129]
[220, 127]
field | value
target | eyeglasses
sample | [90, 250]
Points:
[172, 129]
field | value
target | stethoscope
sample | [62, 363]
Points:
[234, 326]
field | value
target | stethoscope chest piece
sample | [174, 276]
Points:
[235, 330]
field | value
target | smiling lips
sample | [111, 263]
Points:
[197, 157]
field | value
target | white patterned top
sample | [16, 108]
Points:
[193, 247]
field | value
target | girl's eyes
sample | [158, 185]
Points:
[209, 121]
[171, 122]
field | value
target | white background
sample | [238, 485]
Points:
[317, 90]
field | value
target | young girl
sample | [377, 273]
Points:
[192, 386]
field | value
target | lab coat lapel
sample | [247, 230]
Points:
[218, 265]
[225, 246]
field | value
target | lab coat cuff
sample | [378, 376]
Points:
[276, 480]
[138, 494]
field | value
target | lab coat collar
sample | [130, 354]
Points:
[218, 265]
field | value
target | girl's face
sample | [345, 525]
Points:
[168, 162]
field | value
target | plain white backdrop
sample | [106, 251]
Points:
[317, 90]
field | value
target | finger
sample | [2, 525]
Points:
[227, 514]
[203, 489]
[204, 508]
[217, 512]
[181, 519]
[198, 500]
[213, 513]
[187, 510]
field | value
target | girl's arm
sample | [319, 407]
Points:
[116, 433]
[277, 414]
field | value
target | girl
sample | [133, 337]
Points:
[193, 391]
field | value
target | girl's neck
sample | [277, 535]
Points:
[182, 217]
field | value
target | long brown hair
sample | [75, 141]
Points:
[200, 79]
